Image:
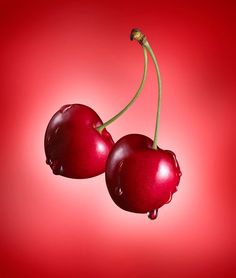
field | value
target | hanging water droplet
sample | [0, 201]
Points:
[180, 174]
[153, 214]
[118, 191]
[55, 167]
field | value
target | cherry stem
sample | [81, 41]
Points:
[140, 37]
[100, 128]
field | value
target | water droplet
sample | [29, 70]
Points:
[175, 190]
[153, 214]
[118, 191]
[65, 108]
[121, 163]
[105, 133]
[170, 198]
[48, 139]
[61, 170]
[49, 161]
[120, 166]
[180, 174]
[55, 165]
[176, 162]
[56, 130]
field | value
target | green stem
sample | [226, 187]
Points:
[100, 128]
[140, 37]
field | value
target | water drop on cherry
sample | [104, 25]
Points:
[170, 198]
[118, 191]
[74, 145]
[153, 214]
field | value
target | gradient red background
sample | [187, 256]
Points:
[58, 52]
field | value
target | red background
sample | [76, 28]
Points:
[58, 52]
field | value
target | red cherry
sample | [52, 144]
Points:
[139, 178]
[73, 146]
[76, 141]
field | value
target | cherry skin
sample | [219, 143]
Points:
[139, 178]
[73, 146]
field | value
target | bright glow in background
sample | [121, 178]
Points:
[59, 52]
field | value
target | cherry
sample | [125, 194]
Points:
[74, 147]
[77, 143]
[140, 176]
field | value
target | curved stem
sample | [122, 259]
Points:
[140, 37]
[154, 146]
[100, 128]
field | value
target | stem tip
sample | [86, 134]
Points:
[137, 35]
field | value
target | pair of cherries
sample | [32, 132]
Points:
[140, 176]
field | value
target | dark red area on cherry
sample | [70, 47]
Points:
[139, 178]
[73, 146]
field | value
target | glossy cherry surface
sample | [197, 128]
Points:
[73, 146]
[141, 179]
